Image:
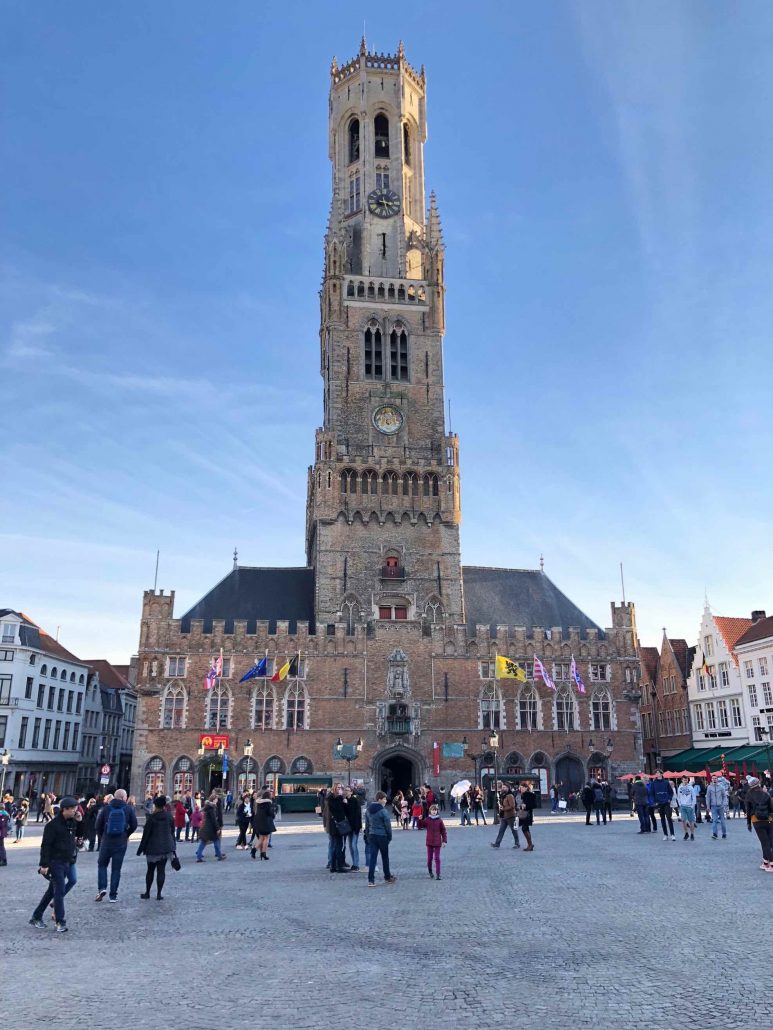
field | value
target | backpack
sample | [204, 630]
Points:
[762, 807]
[116, 822]
[598, 795]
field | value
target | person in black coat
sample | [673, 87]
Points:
[58, 854]
[263, 824]
[587, 801]
[354, 815]
[336, 814]
[157, 845]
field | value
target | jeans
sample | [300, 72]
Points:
[112, 855]
[718, 819]
[466, 817]
[203, 844]
[354, 848]
[653, 818]
[177, 832]
[601, 815]
[331, 848]
[664, 809]
[339, 853]
[503, 826]
[764, 832]
[644, 817]
[479, 812]
[379, 845]
[588, 810]
[19, 831]
[608, 810]
[64, 876]
[554, 804]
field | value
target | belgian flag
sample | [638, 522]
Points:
[290, 668]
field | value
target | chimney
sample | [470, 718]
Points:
[758, 616]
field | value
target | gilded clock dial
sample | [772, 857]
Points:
[388, 419]
[383, 203]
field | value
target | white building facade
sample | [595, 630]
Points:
[754, 650]
[42, 687]
[719, 710]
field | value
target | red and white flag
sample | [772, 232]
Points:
[541, 673]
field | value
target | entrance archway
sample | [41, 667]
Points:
[210, 774]
[570, 774]
[397, 770]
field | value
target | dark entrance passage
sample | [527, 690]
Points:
[398, 773]
[211, 775]
[570, 775]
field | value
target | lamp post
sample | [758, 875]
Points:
[248, 748]
[493, 743]
[348, 753]
[764, 732]
[5, 759]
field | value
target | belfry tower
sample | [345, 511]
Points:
[383, 508]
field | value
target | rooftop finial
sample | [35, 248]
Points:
[236, 559]
[333, 66]
[401, 50]
[363, 44]
[542, 563]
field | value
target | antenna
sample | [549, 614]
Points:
[542, 563]
[155, 580]
[622, 581]
[57, 633]
[449, 414]
[236, 559]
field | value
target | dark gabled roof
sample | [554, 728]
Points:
[257, 595]
[681, 651]
[109, 675]
[649, 659]
[757, 631]
[31, 635]
[518, 597]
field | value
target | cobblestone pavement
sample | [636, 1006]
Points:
[597, 927]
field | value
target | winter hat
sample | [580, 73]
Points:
[752, 781]
[67, 802]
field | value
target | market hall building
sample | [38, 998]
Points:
[395, 640]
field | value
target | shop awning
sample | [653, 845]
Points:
[698, 758]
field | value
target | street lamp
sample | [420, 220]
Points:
[348, 753]
[493, 743]
[5, 759]
[764, 731]
[248, 755]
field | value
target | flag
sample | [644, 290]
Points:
[574, 672]
[258, 669]
[705, 666]
[506, 669]
[541, 673]
[290, 668]
[211, 675]
[219, 664]
[225, 765]
[725, 770]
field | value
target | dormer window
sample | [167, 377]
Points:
[381, 129]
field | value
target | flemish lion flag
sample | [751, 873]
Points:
[506, 669]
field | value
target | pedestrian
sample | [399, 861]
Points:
[507, 809]
[178, 817]
[48, 808]
[5, 825]
[442, 799]
[90, 823]
[651, 806]
[686, 799]
[417, 814]
[263, 823]
[229, 800]
[437, 838]
[354, 815]
[211, 828]
[158, 846]
[21, 817]
[587, 801]
[759, 814]
[378, 827]
[102, 802]
[716, 802]
[58, 855]
[527, 802]
[188, 804]
[116, 822]
[477, 806]
[197, 818]
[607, 791]
[464, 809]
[662, 792]
[338, 828]
[554, 799]
[397, 808]
[598, 804]
[243, 820]
[640, 799]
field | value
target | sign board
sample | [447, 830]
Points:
[453, 750]
[435, 759]
[212, 741]
[345, 751]
[105, 770]
[103, 780]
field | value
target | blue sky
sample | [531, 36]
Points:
[603, 173]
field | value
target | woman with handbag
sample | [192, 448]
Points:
[158, 846]
[263, 824]
[527, 802]
[243, 819]
[338, 827]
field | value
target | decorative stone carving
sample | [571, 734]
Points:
[398, 683]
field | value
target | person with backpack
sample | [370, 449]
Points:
[116, 822]
[587, 801]
[598, 804]
[759, 814]
[507, 807]
[211, 828]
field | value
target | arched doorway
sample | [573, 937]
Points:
[570, 774]
[396, 770]
[210, 773]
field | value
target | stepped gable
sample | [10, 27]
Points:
[519, 597]
[257, 595]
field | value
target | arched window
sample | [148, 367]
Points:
[247, 777]
[63, 675]
[182, 778]
[295, 707]
[348, 481]
[218, 713]
[381, 131]
[430, 485]
[274, 767]
[369, 482]
[528, 709]
[44, 671]
[263, 704]
[566, 713]
[72, 677]
[389, 483]
[433, 611]
[81, 680]
[374, 355]
[490, 709]
[354, 194]
[513, 763]
[398, 352]
[601, 710]
[410, 484]
[54, 672]
[406, 144]
[301, 766]
[354, 140]
[154, 777]
[173, 707]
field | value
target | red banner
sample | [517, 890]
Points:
[212, 741]
[436, 758]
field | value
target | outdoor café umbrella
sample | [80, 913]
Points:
[460, 788]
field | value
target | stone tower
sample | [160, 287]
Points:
[383, 508]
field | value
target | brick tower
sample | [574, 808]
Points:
[383, 508]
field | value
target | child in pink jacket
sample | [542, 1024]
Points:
[437, 838]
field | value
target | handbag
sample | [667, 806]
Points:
[175, 863]
[317, 810]
[344, 827]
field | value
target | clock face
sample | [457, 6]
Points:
[383, 203]
[388, 419]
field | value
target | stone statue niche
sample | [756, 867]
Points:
[398, 683]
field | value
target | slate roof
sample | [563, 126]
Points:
[109, 675]
[519, 597]
[649, 659]
[681, 651]
[31, 635]
[257, 595]
[758, 631]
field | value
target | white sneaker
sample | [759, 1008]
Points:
[673, 837]
[666, 837]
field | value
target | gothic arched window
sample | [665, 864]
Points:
[354, 140]
[301, 766]
[263, 707]
[154, 777]
[406, 144]
[173, 708]
[389, 483]
[430, 485]
[369, 482]
[433, 610]
[566, 713]
[374, 356]
[348, 481]
[410, 484]
[182, 778]
[528, 707]
[490, 708]
[218, 714]
[381, 130]
[601, 710]
[295, 707]
[398, 352]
